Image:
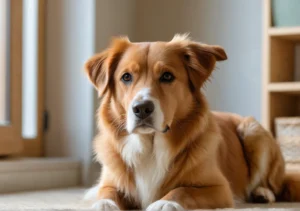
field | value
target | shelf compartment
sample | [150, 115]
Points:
[282, 60]
[282, 105]
[285, 87]
[288, 33]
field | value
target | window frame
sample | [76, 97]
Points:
[11, 140]
[11, 134]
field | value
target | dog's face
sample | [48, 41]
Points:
[151, 85]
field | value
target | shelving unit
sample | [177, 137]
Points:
[291, 33]
[284, 87]
[281, 92]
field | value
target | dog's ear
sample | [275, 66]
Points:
[101, 67]
[96, 71]
[200, 60]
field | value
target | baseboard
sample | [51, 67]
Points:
[37, 174]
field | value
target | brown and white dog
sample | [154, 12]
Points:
[161, 147]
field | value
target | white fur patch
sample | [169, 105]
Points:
[249, 129]
[105, 205]
[266, 193]
[181, 37]
[163, 205]
[134, 148]
[150, 161]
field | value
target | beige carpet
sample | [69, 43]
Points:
[71, 199]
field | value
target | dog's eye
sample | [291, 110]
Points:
[126, 78]
[167, 77]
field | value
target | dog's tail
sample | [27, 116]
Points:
[291, 188]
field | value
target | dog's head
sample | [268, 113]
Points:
[152, 84]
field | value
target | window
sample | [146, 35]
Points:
[21, 76]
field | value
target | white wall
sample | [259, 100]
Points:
[233, 24]
[114, 18]
[69, 96]
[159, 20]
[237, 26]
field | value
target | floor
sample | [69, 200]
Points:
[71, 199]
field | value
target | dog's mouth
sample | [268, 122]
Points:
[167, 128]
[146, 126]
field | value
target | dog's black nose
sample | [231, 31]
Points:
[143, 109]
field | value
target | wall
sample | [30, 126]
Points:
[236, 25]
[161, 22]
[69, 96]
[114, 18]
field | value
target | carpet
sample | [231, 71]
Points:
[71, 199]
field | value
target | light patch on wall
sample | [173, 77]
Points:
[29, 79]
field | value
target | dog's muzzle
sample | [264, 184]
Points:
[145, 115]
[143, 109]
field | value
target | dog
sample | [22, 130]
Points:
[162, 148]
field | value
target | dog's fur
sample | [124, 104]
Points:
[205, 160]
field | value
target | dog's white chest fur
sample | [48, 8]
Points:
[150, 161]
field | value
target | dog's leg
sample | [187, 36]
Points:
[271, 187]
[108, 199]
[262, 195]
[265, 162]
[190, 198]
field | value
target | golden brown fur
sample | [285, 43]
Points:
[206, 158]
[265, 161]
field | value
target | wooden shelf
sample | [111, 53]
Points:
[285, 87]
[289, 33]
[281, 94]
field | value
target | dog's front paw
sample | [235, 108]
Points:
[263, 195]
[164, 205]
[105, 205]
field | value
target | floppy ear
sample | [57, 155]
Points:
[97, 73]
[200, 60]
[101, 67]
